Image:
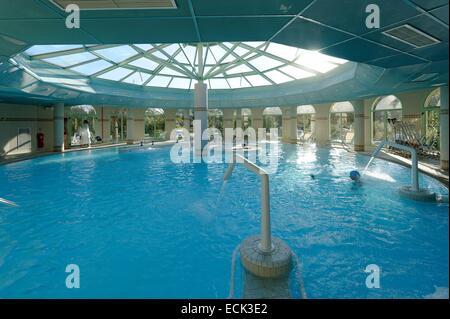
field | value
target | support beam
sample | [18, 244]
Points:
[200, 114]
[58, 115]
[358, 105]
[105, 124]
[444, 127]
[289, 125]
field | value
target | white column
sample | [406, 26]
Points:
[58, 117]
[444, 127]
[322, 125]
[359, 125]
[105, 124]
[170, 124]
[130, 127]
[201, 115]
[228, 118]
[187, 120]
[238, 118]
[257, 118]
[290, 125]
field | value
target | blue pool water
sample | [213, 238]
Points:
[139, 226]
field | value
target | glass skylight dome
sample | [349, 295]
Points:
[227, 65]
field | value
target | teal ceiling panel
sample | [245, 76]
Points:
[430, 4]
[309, 35]
[44, 32]
[248, 7]
[434, 53]
[359, 50]
[141, 30]
[10, 46]
[26, 9]
[350, 15]
[246, 28]
[396, 61]
[441, 13]
[182, 10]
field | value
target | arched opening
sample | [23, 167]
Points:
[431, 119]
[246, 118]
[342, 117]
[386, 111]
[76, 117]
[272, 117]
[306, 121]
[154, 122]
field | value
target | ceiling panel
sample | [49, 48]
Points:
[330, 12]
[309, 35]
[422, 23]
[26, 9]
[396, 61]
[182, 10]
[44, 32]
[434, 53]
[141, 30]
[441, 13]
[359, 50]
[245, 28]
[248, 7]
[429, 4]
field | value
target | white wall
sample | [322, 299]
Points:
[15, 116]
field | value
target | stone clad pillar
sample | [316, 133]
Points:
[289, 125]
[257, 119]
[130, 127]
[228, 118]
[359, 125]
[170, 123]
[444, 127]
[238, 118]
[58, 118]
[187, 120]
[200, 115]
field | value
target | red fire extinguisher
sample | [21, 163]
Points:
[40, 139]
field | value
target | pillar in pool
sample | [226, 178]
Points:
[105, 124]
[257, 119]
[322, 124]
[58, 118]
[200, 116]
[130, 127]
[187, 119]
[238, 118]
[444, 127]
[170, 124]
[139, 124]
[228, 115]
[359, 125]
[290, 125]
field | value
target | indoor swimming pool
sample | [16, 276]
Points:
[139, 226]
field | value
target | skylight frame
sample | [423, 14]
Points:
[179, 62]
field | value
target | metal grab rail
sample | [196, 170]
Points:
[266, 236]
[414, 162]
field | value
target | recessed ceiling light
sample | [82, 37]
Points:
[117, 4]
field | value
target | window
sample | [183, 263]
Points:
[431, 119]
[342, 118]
[386, 111]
